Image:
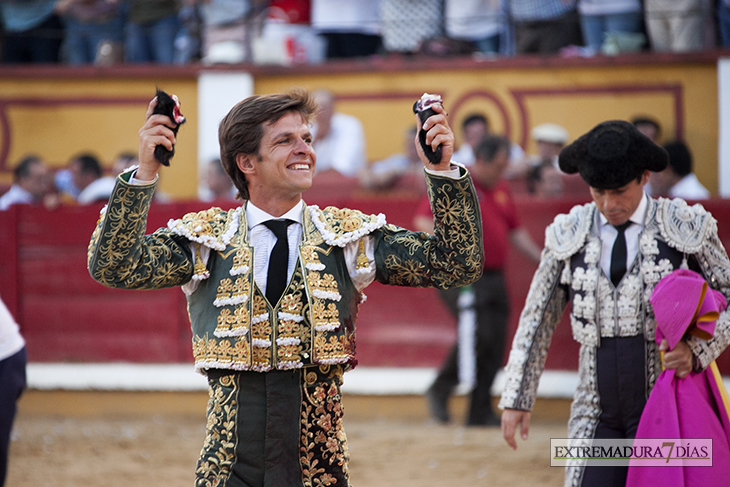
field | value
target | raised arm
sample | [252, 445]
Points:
[119, 254]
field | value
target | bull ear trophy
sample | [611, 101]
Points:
[169, 106]
[423, 108]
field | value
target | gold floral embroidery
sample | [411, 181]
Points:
[261, 330]
[218, 455]
[451, 257]
[332, 350]
[225, 319]
[224, 291]
[324, 454]
[261, 359]
[323, 286]
[290, 325]
[240, 290]
[121, 256]
[326, 317]
[241, 261]
[209, 352]
[408, 273]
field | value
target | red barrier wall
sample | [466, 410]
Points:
[66, 316]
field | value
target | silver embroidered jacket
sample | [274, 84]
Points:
[674, 234]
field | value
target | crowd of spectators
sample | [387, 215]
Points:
[106, 32]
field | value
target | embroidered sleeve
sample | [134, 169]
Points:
[715, 266]
[452, 257]
[546, 301]
[121, 256]
[693, 230]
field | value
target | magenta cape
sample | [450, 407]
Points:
[692, 407]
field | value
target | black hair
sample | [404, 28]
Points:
[680, 158]
[22, 170]
[89, 164]
[474, 117]
[489, 146]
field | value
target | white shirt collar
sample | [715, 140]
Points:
[636, 218]
[256, 216]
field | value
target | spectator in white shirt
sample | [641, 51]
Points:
[339, 139]
[678, 180]
[30, 183]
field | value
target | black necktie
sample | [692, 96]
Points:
[278, 260]
[618, 254]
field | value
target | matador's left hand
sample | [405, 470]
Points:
[679, 358]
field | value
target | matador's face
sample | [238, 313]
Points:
[617, 205]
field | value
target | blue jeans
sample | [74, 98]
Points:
[152, 42]
[723, 20]
[595, 27]
[82, 40]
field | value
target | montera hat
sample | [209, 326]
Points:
[611, 155]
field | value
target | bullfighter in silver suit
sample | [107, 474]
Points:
[605, 258]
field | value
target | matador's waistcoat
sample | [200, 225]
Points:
[234, 326]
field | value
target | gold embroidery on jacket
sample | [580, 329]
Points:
[324, 454]
[210, 352]
[290, 325]
[218, 455]
[362, 259]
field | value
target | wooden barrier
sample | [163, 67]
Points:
[66, 316]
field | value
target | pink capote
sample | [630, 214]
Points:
[692, 407]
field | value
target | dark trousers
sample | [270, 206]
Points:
[548, 36]
[266, 426]
[12, 384]
[274, 429]
[348, 45]
[620, 365]
[41, 44]
[491, 305]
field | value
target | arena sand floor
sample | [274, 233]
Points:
[70, 439]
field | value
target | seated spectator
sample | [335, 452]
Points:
[31, 184]
[387, 173]
[675, 26]
[678, 180]
[648, 126]
[219, 187]
[350, 27]
[152, 26]
[32, 31]
[339, 139]
[473, 129]
[101, 189]
[406, 24]
[545, 181]
[545, 27]
[602, 18]
[86, 171]
[91, 27]
[481, 22]
[550, 139]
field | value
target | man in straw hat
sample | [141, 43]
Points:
[605, 257]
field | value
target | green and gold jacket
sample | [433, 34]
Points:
[234, 326]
